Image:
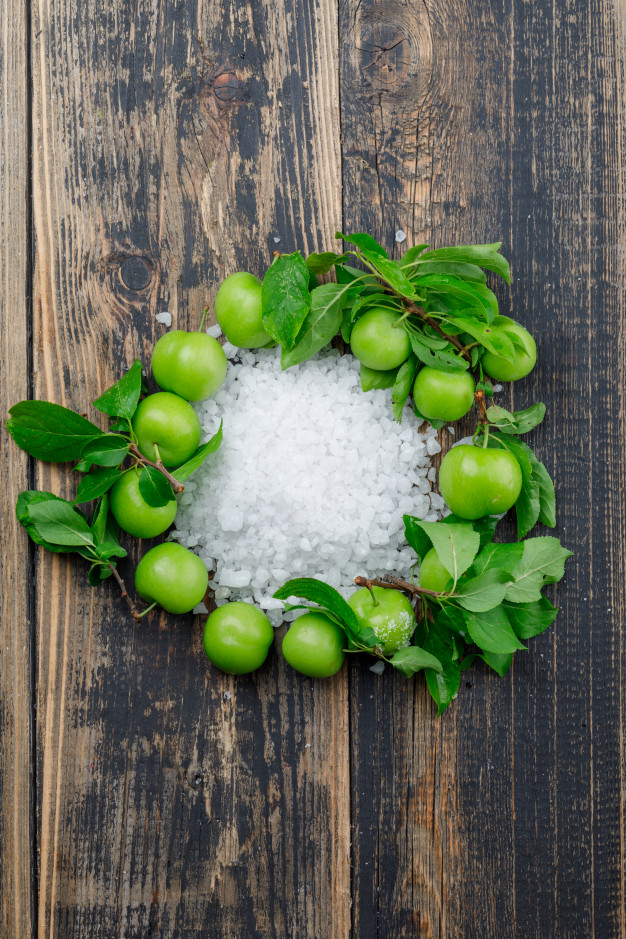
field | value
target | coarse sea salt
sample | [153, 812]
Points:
[312, 479]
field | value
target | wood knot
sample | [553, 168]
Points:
[385, 55]
[136, 272]
[229, 89]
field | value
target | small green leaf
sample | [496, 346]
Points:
[415, 536]
[322, 262]
[444, 361]
[107, 450]
[96, 483]
[433, 421]
[529, 417]
[528, 506]
[491, 631]
[485, 527]
[497, 556]
[410, 256]
[403, 385]
[285, 298]
[109, 549]
[371, 379]
[530, 619]
[484, 592]
[100, 520]
[122, 398]
[543, 562]
[59, 523]
[22, 509]
[154, 487]
[365, 243]
[321, 324]
[500, 662]
[412, 659]
[495, 342]
[456, 545]
[196, 460]
[443, 686]
[485, 256]
[50, 432]
[308, 588]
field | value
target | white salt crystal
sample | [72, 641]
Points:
[200, 608]
[311, 480]
[165, 318]
[378, 667]
[400, 236]
[214, 331]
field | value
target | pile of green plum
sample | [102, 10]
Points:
[426, 326]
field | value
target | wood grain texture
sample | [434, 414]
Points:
[173, 144]
[16, 864]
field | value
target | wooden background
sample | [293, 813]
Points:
[149, 147]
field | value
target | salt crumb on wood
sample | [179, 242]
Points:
[165, 318]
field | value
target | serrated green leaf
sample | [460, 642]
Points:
[543, 562]
[461, 269]
[497, 557]
[500, 662]
[371, 379]
[58, 523]
[122, 398]
[50, 432]
[110, 549]
[415, 536]
[485, 256]
[443, 293]
[183, 472]
[374, 300]
[495, 342]
[96, 483]
[529, 417]
[531, 619]
[365, 243]
[285, 298]
[322, 262]
[402, 386]
[445, 361]
[411, 255]
[527, 507]
[456, 545]
[27, 499]
[443, 685]
[433, 421]
[412, 659]
[107, 450]
[321, 324]
[483, 592]
[99, 521]
[154, 487]
[491, 631]
[308, 588]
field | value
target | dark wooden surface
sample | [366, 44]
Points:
[149, 148]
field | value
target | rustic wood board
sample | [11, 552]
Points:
[172, 143]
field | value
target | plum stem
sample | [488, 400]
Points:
[204, 316]
[413, 308]
[394, 583]
[133, 609]
[140, 458]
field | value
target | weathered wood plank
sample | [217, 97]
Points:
[16, 861]
[173, 144]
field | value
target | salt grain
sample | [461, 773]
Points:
[214, 331]
[165, 318]
[400, 236]
[311, 480]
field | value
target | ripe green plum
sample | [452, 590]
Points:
[479, 481]
[237, 637]
[379, 340]
[239, 311]
[171, 423]
[191, 365]
[389, 613]
[501, 369]
[443, 396]
[173, 576]
[133, 514]
[314, 646]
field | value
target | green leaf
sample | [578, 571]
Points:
[502, 419]
[285, 298]
[412, 659]
[22, 509]
[365, 243]
[528, 506]
[433, 421]
[50, 432]
[377, 300]
[322, 262]
[443, 685]
[529, 417]
[456, 545]
[483, 592]
[107, 450]
[95, 484]
[444, 361]
[536, 479]
[491, 631]
[543, 562]
[402, 386]
[443, 293]
[485, 256]
[348, 275]
[97, 574]
[154, 487]
[110, 549]
[530, 619]
[59, 523]
[308, 588]
[321, 324]
[372, 379]
[411, 255]
[100, 521]
[415, 536]
[183, 472]
[500, 662]
[495, 342]
[392, 274]
[122, 398]
[497, 556]
[547, 506]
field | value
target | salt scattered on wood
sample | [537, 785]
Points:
[165, 318]
[214, 331]
[400, 236]
[312, 479]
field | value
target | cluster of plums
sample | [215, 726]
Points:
[474, 481]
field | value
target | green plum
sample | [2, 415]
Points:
[133, 514]
[443, 396]
[239, 309]
[314, 646]
[432, 574]
[171, 423]
[379, 341]
[237, 637]
[478, 481]
[389, 613]
[191, 365]
[501, 369]
[173, 576]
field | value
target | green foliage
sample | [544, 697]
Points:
[50, 432]
[285, 298]
[122, 398]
